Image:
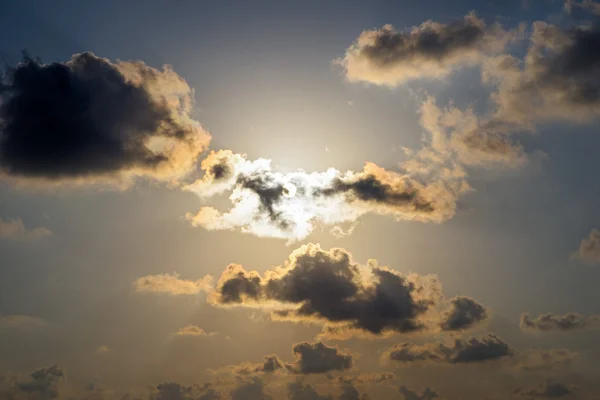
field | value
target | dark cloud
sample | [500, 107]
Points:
[89, 118]
[544, 360]
[329, 288]
[548, 388]
[317, 358]
[555, 322]
[464, 313]
[389, 57]
[589, 248]
[270, 364]
[408, 394]
[43, 383]
[175, 391]
[253, 389]
[489, 347]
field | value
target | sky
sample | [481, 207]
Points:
[299, 200]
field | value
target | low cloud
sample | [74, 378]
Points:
[89, 119]
[549, 389]
[330, 289]
[15, 229]
[42, 383]
[488, 348]
[175, 391]
[291, 205]
[556, 322]
[253, 389]
[431, 50]
[172, 284]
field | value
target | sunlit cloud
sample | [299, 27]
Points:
[431, 50]
[193, 330]
[172, 284]
[291, 205]
[589, 249]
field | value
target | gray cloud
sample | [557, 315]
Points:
[291, 205]
[465, 312]
[548, 388]
[489, 347]
[89, 119]
[408, 394]
[302, 391]
[389, 57]
[555, 322]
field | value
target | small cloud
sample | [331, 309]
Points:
[589, 249]
[350, 103]
[21, 322]
[172, 284]
[193, 330]
[15, 229]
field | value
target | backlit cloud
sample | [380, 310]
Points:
[431, 50]
[89, 119]
[330, 289]
[291, 205]
[556, 322]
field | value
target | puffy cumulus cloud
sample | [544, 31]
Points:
[290, 205]
[431, 50]
[16, 230]
[464, 312]
[548, 388]
[557, 79]
[89, 120]
[556, 322]
[175, 391]
[172, 284]
[309, 358]
[193, 330]
[253, 389]
[329, 288]
[589, 248]
[317, 358]
[489, 347]
[408, 394]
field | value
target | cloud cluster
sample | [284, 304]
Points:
[556, 322]
[329, 288]
[89, 119]
[431, 50]
[172, 284]
[291, 205]
[408, 394]
[175, 391]
[43, 384]
[16, 230]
